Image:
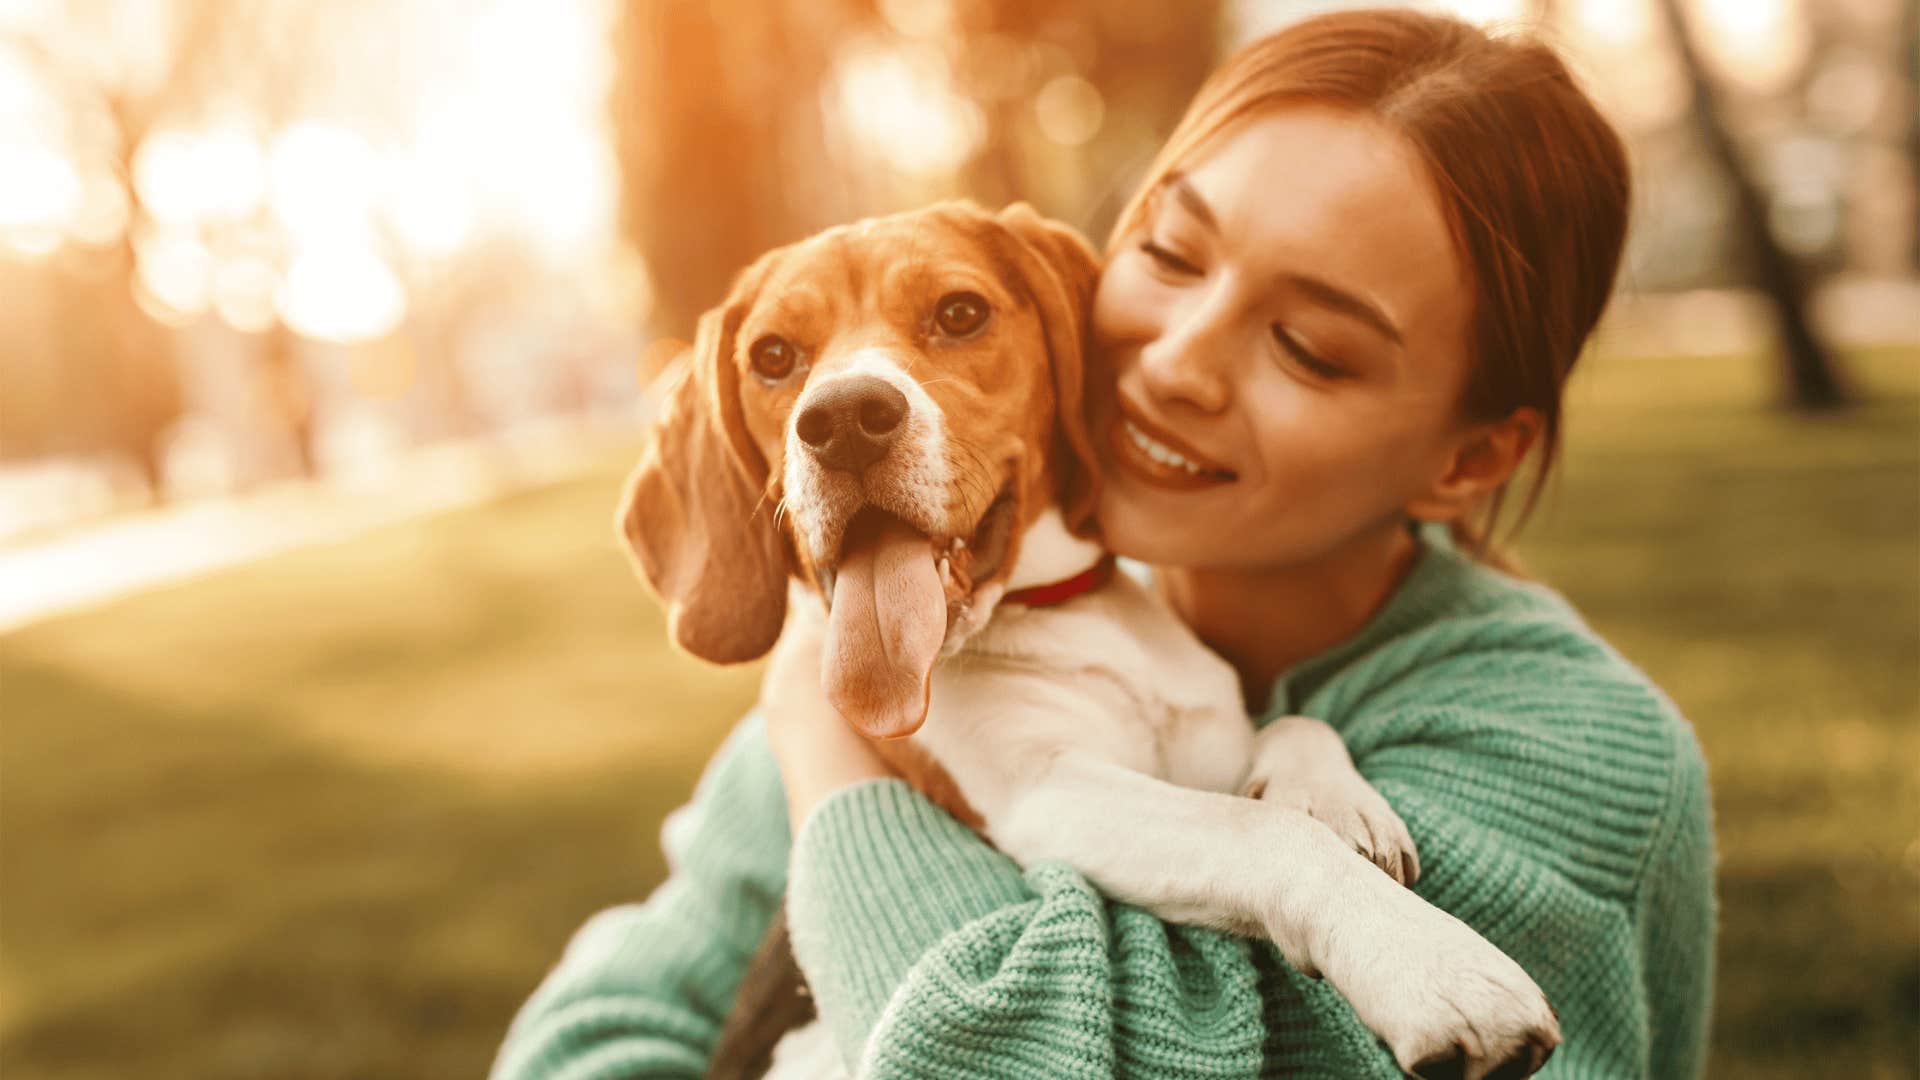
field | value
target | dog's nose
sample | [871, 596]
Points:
[851, 421]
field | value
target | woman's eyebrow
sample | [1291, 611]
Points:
[1333, 296]
[1319, 289]
[1189, 198]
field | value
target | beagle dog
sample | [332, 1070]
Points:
[889, 416]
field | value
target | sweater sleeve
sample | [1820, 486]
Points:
[1558, 800]
[643, 988]
[1535, 799]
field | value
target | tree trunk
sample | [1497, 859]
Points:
[1812, 379]
[722, 128]
[716, 112]
[1909, 30]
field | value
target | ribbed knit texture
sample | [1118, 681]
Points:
[1558, 800]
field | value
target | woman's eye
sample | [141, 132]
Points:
[1305, 357]
[772, 357]
[960, 313]
[1167, 259]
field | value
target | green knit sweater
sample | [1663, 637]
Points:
[1558, 800]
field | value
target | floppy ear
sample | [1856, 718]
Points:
[695, 516]
[1062, 271]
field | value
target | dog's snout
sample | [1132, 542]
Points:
[850, 422]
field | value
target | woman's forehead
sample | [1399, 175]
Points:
[1330, 191]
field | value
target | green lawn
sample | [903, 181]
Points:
[332, 814]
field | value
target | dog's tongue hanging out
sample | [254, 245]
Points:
[885, 628]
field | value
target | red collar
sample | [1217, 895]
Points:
[1060, 592]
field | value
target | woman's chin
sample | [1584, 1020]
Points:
[1149, 526]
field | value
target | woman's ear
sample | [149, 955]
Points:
[1062, 272]
[1482, 459]
[696, 517]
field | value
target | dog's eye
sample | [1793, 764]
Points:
[772, 357]
[960, 313]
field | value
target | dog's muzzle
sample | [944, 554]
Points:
[851, 423]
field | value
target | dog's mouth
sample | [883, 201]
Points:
[893, 593]
[962, 562]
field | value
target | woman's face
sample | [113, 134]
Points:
[1288, 327]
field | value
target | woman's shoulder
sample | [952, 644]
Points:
[1459, 625]
[1494, 693]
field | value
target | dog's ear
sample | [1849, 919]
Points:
[1062, 271]
[696, 517]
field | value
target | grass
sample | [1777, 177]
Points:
[1764, 568]
[334, 813]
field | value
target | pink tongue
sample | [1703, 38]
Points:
[888, 621]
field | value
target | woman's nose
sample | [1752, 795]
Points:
[1189, 361]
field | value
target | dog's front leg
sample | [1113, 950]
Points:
[1300, 762]
[1421, 979]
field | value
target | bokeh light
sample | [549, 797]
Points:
[900, 105]
[341, 292]
[176, 269]
[1760, 44]
[38, 194]
[339, 274]
[1069, 110]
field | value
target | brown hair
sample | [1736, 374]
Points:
[1532, 180]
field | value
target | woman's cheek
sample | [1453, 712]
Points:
[1125, 307]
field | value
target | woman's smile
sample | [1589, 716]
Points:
[1153, 455]
[1321, 414]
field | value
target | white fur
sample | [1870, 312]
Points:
[1101, 732]
[1048, 552]
[911, 482]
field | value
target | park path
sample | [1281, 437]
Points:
[89, 565]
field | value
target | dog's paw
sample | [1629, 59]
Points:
[1301, 764]
[1444, 999]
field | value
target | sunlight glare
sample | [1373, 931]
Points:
[537, 146]
[341, 292]
[243, 293]
[101, 217]
[901, 108]
[501, 136]
[25, 104]
[1483, 12]
[1620, 46]
[189, 177]
[23, 14]
[174, 267]
[38, 188]
[429, 201]
[1614, 24]
[324, 179]
[1760, 44]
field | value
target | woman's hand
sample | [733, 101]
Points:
[819, 753]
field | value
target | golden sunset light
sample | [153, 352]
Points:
[482, 483]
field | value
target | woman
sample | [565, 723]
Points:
[1351, 292]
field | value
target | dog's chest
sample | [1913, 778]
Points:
[1113, 674]
[916, 764]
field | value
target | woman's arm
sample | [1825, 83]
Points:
[1551, 808]
[643, 988]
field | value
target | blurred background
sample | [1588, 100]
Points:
[328, 707]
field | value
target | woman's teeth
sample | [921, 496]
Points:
[1160, 451]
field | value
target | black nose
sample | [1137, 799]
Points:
[850, 422]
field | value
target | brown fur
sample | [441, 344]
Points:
[917, 768]
[698, 514]
[699, 511]
[695, 516]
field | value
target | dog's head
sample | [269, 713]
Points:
[880, 411]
